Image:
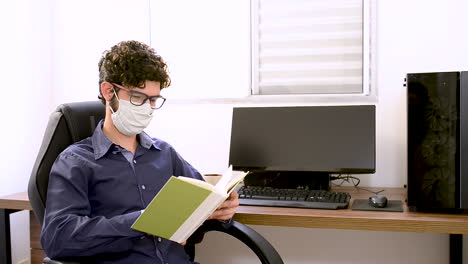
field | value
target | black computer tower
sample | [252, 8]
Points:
[437, 141]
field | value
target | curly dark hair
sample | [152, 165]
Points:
[131, 63]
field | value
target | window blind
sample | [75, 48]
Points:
[307, 47]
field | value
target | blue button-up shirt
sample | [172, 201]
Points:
[97, 190]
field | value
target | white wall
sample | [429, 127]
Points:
[25, 75]
[25, 79]
[82, 30]
[51, 53]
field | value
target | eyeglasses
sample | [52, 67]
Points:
[138, 98]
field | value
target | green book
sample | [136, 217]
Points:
[183, 204]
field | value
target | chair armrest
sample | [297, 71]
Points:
[257, 243]
[51, 261]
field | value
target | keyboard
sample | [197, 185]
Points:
[294, 198]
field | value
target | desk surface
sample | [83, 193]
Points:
[16, 201]
[331, 219]
[357, 220]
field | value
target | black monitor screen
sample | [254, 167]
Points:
[332, 139]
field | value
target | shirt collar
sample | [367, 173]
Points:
[146, 141]
[102, 144]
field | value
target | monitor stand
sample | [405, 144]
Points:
[289, 179]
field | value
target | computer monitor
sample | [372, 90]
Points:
[306, 141]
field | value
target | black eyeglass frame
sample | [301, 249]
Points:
[131, 92]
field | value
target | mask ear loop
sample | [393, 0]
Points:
[110, 103]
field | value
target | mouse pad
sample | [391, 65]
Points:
[392, 206]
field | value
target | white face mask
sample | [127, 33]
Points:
[130, 119]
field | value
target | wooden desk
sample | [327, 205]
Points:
[455, 225]
[357, 220]
[14, 203]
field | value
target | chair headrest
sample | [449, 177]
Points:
[82, 118]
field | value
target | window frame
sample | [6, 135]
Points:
[369, 93]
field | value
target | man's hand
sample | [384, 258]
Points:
[227, 209]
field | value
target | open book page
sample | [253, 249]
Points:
[229, 180]
[235, 180]
[224, 180]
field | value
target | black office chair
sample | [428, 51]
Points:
[75, 121]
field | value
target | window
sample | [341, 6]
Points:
[311, 47]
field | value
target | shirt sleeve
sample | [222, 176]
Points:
[183, 168]
[68, 229]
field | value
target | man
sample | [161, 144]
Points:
[99, 186]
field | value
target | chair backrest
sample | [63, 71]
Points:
[68, 124]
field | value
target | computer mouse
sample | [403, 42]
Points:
[378, 201]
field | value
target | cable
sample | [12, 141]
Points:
[352, 180]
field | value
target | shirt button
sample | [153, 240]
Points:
[134, 161]
[143, 187]
[143, 237]
[159, 239]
